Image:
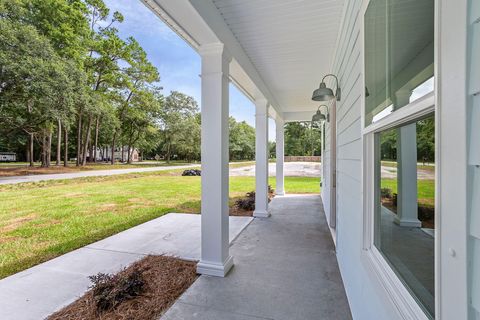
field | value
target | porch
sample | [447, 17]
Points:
[286, 268]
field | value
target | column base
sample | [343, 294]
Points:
[215, 269]
[280, 194]
[261, 214]
[415, 223]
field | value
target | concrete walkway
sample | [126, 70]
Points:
[91, 173]
[39, 291]
[285, 268]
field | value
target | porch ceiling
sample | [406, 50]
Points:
[290, 43]
[280, 48]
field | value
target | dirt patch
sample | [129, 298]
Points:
[163, 280]
[13, 224]
[8, 239]
[238, 212]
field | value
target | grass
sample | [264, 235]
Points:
[19, 169]
[39, 221]
[426, 190]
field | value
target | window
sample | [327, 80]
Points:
[399, 147]
[405, 212]
[398, 54]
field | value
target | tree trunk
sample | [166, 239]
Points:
[168, 153]
[97, 124]
[129, 160]
[49, 147]
[59, 142]
[30, 149]
[44, 149]
[79, 138]
[65, 147]
[112, 159]
[123, 154]
[86, 142]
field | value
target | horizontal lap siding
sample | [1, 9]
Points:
[474, 158]
[366, 297]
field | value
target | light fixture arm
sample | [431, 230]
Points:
[338, 90]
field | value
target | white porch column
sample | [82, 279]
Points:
[215, 257]
[279, 149]
[261, 158]
[407, 206]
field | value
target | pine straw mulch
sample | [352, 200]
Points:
[162, 280]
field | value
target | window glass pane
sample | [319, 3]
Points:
[399, 54]
[405, 212]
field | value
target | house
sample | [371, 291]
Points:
[384, 68]
[120, 154]
[8, 157]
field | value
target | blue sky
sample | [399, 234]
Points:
[177, 62]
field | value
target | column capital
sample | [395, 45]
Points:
[261, 106]
[216, 48]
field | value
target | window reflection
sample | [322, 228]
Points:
[405, 213]
[399, 54]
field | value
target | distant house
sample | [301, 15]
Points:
[105, 154]
[8, 157]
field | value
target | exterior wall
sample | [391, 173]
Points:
[366, 295]
[474, 158]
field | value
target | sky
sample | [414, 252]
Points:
[177, 62]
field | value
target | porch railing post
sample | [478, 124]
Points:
[261, 158]
[215, 256]
[279, 149]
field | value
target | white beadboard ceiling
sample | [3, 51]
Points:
[290, 42]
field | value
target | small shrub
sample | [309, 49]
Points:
[426, 213]
[394, 199]
[111, 290]
[386, 193]
[248, 202]
[192, 172]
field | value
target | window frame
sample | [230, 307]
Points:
[396, 290]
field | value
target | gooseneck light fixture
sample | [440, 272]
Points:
[319, 116]
[323, 93]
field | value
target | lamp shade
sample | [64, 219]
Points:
[322, 93]
[318, 116]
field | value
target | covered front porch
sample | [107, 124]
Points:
[286, 268]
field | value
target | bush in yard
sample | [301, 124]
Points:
[192, 172]
[111, 290]
[248, 202]
[386, 193]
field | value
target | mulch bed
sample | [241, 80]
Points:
[235, 211]
[157, 282]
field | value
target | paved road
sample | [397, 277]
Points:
[81, 174]
[297, 169]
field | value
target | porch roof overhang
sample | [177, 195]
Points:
[280, 48]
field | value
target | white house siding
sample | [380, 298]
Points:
[366, 296]
[474, 158]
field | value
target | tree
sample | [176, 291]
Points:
[242, 140]
[301, 139]
[174, 121]
[33, 80]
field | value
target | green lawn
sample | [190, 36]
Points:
[39, 221]
[426, 189]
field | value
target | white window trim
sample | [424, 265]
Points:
[407, 306]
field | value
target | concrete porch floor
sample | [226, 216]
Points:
[285, 268]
